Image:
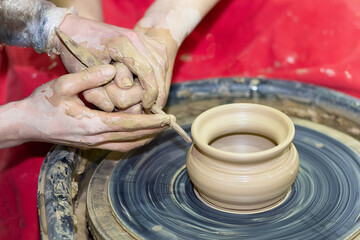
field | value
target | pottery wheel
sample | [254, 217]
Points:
[150, 196]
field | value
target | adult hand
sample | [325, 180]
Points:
[58, 115]
[136, 53]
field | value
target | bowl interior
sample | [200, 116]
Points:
[249, 131]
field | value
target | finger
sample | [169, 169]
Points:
[158, 51]
[71, 63]
[160, 66]
[123, 146]
[99, 52]
[118, 121]
[99, 98]
[123, 77]
[114, 146]
[72, 84]
[136, 109]
[124, 136]
[121, 49]
[124, 98]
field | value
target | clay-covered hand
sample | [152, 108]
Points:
[58, 115]
[135, 53]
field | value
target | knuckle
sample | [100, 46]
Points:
[63, 87]
[89, 141]
[85, 75]
[91, 96]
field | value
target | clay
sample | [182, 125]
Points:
[166, 47]
[121, 48]
[99, 97]
[123, 77]
[242, 143]
[124, 98]
[242, 157]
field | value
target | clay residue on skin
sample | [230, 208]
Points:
[124, 77]
[163, 49]
[179, 20]
[90, 43]
[99, 97]
[127, 123]
[79, 51]
[120, 49]
[50, 96]
[75, 113]
[63, 111]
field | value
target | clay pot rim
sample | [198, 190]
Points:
[244, 157]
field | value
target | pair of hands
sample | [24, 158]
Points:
[133, 53]
[63, 118]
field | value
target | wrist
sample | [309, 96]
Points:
[180, 17]
[66, 27]
[15, 125]
[163, 36]
[53, 19]
[62, 27]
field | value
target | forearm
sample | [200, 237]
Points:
[30, 23]
[14, 124]
[91, 9]
[179, 17]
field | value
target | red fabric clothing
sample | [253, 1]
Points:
[309, 41]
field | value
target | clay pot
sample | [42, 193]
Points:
[242, 157]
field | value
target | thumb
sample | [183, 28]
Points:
[72, 84]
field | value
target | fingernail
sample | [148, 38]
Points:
[108, 106]
[165, 119]
[108, 71]
[126, 82]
